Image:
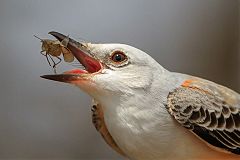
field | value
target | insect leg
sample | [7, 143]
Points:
[59, 60]
[54, 64]
[57, 64]
[46, 55]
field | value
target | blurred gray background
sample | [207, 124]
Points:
[42, 119]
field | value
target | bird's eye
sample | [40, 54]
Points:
[118, 57]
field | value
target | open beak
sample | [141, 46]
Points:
[83, 55]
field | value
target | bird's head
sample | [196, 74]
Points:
[110, 69]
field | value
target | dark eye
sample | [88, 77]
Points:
[118, 56]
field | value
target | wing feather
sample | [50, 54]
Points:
[209, 114]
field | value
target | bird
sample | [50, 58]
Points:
[145, 112]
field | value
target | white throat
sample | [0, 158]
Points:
[135, 119]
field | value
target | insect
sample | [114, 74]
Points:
[54, 48]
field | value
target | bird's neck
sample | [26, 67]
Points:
[133, 116]
[139, 107]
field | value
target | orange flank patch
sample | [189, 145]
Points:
[102, 128]
[190, 84]
[187, 83]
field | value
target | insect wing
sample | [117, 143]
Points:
[65, 41]
[67, 55]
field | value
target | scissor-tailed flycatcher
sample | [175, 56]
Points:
[145, 112]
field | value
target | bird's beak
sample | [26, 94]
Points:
[83, 55]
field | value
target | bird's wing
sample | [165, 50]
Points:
[210, 111]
